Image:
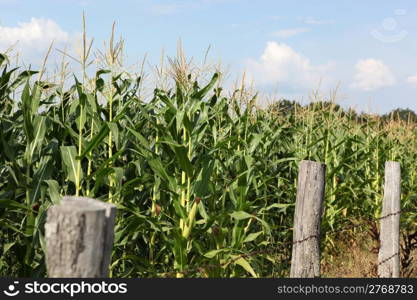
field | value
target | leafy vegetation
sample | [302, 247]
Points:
[199, 177]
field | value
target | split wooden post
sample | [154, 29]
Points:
[305, 261]
[79, 234]
[389, 251]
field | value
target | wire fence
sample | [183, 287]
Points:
[284, 245]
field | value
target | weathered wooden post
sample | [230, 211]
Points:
[389, 251]
[79, 234]
[305, 260]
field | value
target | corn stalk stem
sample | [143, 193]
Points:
[89, 167]
[183, 181]
[77, 180]
[110, 142]
[153, 209]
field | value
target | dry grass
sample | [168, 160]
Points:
[356, 258]
[414, 264]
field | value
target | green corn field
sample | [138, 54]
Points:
[199, 176]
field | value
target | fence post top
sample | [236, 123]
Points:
[311, 162]
[84, 204]
[392, 162]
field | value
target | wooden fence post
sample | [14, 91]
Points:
[305, 262]
[389, 251]
[79, 234]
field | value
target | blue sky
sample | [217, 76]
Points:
[368, 48]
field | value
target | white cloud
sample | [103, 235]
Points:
[412, 80]
[32, 39]
[314, 21]
[285, 33]
[35, 33]
[280, 64]
[372, 74]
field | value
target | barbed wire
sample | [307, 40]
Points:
[283, 245]
[388, 258]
